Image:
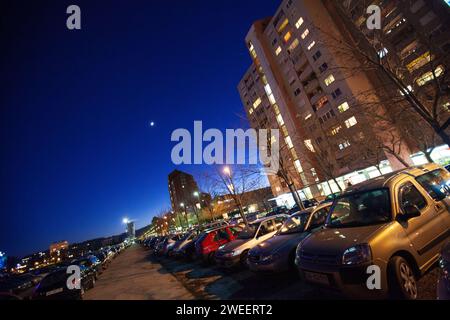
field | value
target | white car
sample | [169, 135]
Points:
[235, 252]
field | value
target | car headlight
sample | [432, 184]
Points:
[358, 254]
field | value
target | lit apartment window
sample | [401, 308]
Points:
[280, 120]
[283, 25]
[289, 142]
[311, 45]
[335, 130]
[294, 154]
[268, 89]
[329, 80]
[419, 62]
[293, 45]
[271, 99]
[276, 109]
[257, 103]
[287, 36]
[299, 22]
[350, 122]
[309, 145]
[305, 33]
[428, 76]
[343, 107]
[278, 50]
[344, 145]
[284, 130]
[308, 116]
[298, 166]
[250, 111]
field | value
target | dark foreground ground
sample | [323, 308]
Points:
[137, 275]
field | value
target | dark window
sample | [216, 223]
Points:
[317, 55]
[336, 93]
[319, 217]
[323, 67]
[409, 195]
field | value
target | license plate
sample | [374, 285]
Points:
[49, 293]
[317, 277]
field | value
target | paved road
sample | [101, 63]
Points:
[211, 282]
[131, 276]
[136, 275]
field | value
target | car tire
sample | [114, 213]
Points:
[243, 259]
[402, 281]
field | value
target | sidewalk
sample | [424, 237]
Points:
[132, 276]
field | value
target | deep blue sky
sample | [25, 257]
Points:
[77, 153]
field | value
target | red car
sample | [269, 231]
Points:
[210, 241]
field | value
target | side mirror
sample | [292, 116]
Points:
[410, 211]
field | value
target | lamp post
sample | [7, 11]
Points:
[197, 195]
[185, 214]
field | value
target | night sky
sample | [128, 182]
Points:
[77, 151]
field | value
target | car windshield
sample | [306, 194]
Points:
[295, 223]
[360, 209]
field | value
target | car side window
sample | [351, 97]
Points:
[436, 183]
[319, 217]
[409, 195]
[265, 228]
[235, 230]
[221, 234]
[279, 222]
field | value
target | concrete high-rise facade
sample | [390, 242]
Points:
[297, 83]
[183, 190]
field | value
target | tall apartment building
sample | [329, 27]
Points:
[297, 83]
[183, 189]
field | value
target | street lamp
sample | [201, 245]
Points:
[125, 220]
[227, 170]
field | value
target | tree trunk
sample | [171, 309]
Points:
[444, 136]
[296, 197]
[428, 156]
[241, 212]
[378, 168]
[339, 187]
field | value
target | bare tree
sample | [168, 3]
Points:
[373, 51]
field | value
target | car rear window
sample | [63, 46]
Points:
[436, 183]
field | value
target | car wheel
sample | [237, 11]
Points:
[402, 279]
[243, 259]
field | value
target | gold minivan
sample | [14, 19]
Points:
[381, 235]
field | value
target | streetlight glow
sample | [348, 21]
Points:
[125, 220]
[227, 170]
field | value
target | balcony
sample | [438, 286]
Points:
[306, 73]
[315, 96]
[312, 86]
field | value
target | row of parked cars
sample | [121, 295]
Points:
[51, 282]
[374, 240]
